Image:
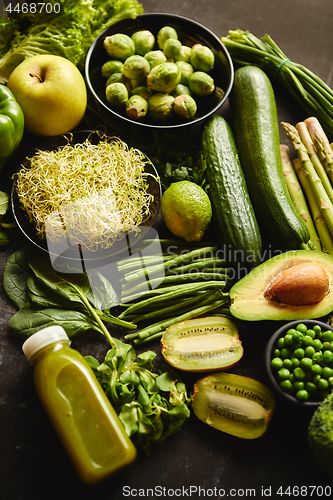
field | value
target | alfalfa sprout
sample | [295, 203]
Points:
[89, 194]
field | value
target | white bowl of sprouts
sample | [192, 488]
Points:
[88, 191]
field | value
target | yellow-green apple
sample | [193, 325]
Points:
[51, 92]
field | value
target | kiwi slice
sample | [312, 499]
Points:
[237, 405]
[202, 344]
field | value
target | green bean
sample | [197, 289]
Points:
[183, 305]
[161, 299]
[173, 280]
[179, 259]
[173, 288]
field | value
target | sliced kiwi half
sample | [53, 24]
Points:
[202, 344]
[237, 405]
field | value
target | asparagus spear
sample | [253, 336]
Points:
[321, 144]
[323, 200]
[297, 196]
[308, 143]
[318, 219]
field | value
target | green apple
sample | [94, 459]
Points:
[51, 92]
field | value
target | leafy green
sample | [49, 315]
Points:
[46, 297]
[68, 34]
[150, 405]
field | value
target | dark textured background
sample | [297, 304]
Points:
[33, 464]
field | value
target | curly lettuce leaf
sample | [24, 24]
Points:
[68, 34]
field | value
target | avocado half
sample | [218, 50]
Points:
[247, 297]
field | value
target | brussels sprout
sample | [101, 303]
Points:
[185, 54]
[116, 77]
[119, 46]
[201, 83]
[155, 57]
[181, 89]
[172, 48]
[164, 77]
[110, 67]
[136, 107]
[144, 41]
[185, 106]
[142, 91]
[164, 34]
[136, 67]
[202, 58]
[160, 106]
[186, 70]
[117, 95]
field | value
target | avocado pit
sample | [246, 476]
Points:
[301, 284]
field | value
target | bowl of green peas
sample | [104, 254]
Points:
[299, 361]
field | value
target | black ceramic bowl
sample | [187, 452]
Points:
[121, 246]
[189, 32]
[271, 345]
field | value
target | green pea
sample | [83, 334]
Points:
[280, 343]
[302, 395]
[299, 353]
[317, 357]
[327, 346]
[286, 385]
[322, 384]
[297, 336]
[288, 339]
[311, 333]
[287, 363]
[327, 356]
[306, 363]
[295, 362]
[311, 387]
[317, 329]
[307, 340]
[284, 373]
[330, 381]
[285, 353]
[301, 327]
[327, 336]
[276, 363]
[309, 351]
[317, 344]
[316, 378]
[327, 372]
[299, 373]
[276, 353]
[316, 369]
[298, 385]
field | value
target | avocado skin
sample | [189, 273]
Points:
[320, 435]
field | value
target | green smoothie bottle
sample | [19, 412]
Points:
[81, 413]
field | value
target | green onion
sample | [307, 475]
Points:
[314, 95]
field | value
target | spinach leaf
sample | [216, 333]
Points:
[29, 320]
[15, 276]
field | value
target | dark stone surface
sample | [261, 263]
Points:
[33, 463]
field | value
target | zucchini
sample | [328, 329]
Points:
[237, 227]
[256, 132]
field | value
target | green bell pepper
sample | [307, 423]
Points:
[11, 124]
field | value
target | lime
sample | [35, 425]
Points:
[186, 210]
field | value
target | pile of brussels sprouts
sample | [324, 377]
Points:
[158, 82]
